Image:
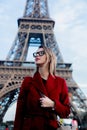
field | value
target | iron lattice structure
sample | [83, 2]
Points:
[35, 28]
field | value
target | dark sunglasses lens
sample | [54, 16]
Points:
[40, 53]
[34, 54]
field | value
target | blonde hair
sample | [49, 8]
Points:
[51, 58]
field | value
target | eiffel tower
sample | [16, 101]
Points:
[35, 28]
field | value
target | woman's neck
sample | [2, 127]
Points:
[44, 72]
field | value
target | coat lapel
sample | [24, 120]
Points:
[49, 89]
[38, 84]
[51, 86]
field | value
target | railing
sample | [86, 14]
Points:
[28, 64]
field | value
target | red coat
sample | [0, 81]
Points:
[29, 114]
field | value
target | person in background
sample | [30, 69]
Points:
[6, 127]
[43, 96]
[74, 123]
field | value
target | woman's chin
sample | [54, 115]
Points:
[39, 64]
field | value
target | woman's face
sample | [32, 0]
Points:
[40, 57]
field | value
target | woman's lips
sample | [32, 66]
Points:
[37, 59]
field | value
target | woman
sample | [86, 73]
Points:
[43, 96]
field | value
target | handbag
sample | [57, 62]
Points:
[63, 127]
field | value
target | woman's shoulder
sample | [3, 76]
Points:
[27, 80]
[59, 78]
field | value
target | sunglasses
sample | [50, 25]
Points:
[39, 53]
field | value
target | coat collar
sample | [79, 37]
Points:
[38, 84]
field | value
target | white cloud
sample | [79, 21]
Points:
[70, 13]
[84, 86]
[10, 114]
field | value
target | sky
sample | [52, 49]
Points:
[70, 31]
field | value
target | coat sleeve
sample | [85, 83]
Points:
[62, 106]
[19, 116]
